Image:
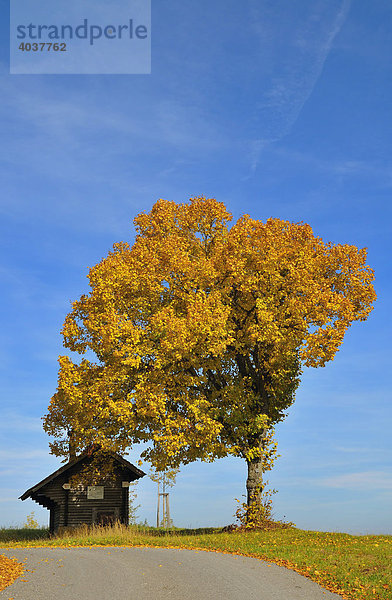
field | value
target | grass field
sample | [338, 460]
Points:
[356, 567]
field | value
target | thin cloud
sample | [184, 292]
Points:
[381, 173]
[18, 455]
[364, 481]
[362, 450]
[26, 287]
[17, 422]
[304, 50]
[67, 128]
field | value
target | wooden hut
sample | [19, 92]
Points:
[91, 504]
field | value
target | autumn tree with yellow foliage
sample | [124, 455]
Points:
[199, 332]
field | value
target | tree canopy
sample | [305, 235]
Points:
[193, 338]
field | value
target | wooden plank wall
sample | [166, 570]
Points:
[73, 508]
[81, 510]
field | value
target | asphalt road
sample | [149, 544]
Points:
[153, 574]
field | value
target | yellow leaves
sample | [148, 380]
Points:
[203, 215]
[10, 570]
[181, 329]
[200, 329]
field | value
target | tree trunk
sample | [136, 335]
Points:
[71, 446]
[255, 480]
[159, 499]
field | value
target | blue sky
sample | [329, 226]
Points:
[277, 109]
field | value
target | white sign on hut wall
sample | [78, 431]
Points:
[95, 492]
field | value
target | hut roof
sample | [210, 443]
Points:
[125, 464]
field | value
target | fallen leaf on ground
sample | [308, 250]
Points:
[10, 570]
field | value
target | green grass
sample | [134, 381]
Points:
[356, 567]
[18, 534]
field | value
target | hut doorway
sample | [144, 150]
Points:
[105, 518]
